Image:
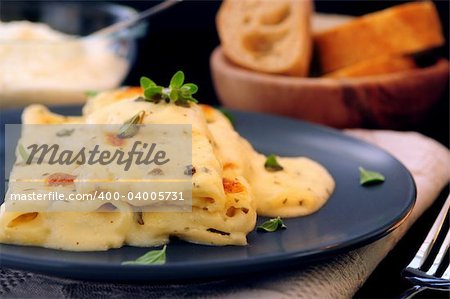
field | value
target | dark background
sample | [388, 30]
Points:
[183, 38]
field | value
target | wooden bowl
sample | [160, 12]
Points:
[383, 101]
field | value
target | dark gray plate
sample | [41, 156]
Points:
[354, 215]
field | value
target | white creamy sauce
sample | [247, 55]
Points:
[40, 64]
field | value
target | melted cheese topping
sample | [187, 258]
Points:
[230, 185]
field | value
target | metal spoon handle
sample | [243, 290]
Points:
[126, 23]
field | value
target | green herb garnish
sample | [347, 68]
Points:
[65, 132]
[154, 257]
[272, 164]
[90, 93]
[23, 153]
[367, 177]
[178, 92]
[146, 82]
[272, 225]
[227, 114]
[131, 126]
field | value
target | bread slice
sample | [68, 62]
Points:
[377, 66]
[267, 36]
[325, 21]
[403, 29]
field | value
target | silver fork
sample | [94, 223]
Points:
[420, 278]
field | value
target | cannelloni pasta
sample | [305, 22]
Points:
[230, 185]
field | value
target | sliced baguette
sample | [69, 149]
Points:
[378, 66]
[321, 22]
[403, 29]
[267, 36]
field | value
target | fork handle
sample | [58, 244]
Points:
[412, 292]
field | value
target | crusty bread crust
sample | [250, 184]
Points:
[372, 67]
[403, 29]
[267, 36]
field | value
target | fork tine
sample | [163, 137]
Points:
[446, 274]
[425, 249]
[440, 256]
